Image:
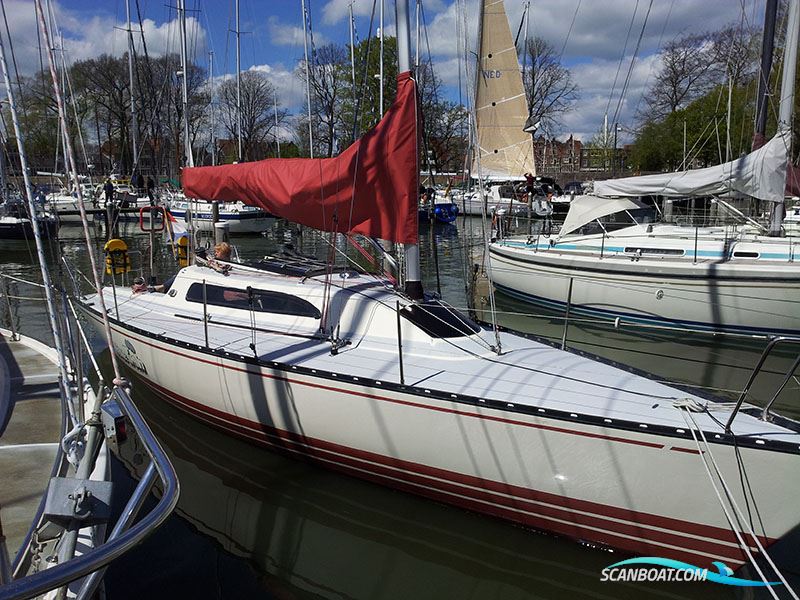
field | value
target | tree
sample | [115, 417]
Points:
[693, 64]
[258, 102]
[549, 87]
[444, 124]
[659, 144]
[329, 76]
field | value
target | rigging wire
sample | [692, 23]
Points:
[633, 62]
[622, 56]
[569, 32]
[87, 234]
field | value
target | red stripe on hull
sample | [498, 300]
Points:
[381, 398]
[449, 487]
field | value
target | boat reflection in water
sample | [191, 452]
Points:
[288, 529]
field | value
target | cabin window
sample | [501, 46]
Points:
[265, 301]
[742, 254]
[439, 320]
[655, 251]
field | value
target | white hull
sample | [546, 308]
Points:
[239, 217]
[735, 295]
[639, 488]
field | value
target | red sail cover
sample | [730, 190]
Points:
[370, 188]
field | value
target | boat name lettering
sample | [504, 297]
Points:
[492, 74]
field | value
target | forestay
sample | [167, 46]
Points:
[760, 174]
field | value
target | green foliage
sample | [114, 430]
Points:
[659, 144]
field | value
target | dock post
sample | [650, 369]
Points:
[14, 335]
[221, 232]
[205, 312]
[400, 346]
[215, 211]
[566, 316]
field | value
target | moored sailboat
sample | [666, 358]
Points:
[388, 385]
[503, 152]
[659, 274]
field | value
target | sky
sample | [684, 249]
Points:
[590, 35]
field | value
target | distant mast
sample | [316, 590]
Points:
[308, 79]
[504, 150]
[212, 94]
[134, 123]
[238, 87]
[184, 84]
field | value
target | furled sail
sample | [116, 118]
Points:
[370, 188]
[760, 174]
[501, 108]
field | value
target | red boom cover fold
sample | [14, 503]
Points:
[370, 188]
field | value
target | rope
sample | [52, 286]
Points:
[74, 171]
[693, 426]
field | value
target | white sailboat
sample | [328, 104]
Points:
[342, 368]
[240, 217]
[659, 274]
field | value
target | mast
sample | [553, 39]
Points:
[380, 63]
[185, 84]
[277, 137]
[413, 278]
[134, 123]
[787, 102]
[3, 169]
[308, 80]
[353, 56]
[762, 99]
[48, 288]
[238, 87]
[213, 109]
[728, 120]
[416, 41]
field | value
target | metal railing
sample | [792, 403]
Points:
[124, 536]
[765, 414]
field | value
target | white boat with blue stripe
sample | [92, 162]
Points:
[657, 274]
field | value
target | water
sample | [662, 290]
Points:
[255, 524]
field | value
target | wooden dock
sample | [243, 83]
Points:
[30, 431]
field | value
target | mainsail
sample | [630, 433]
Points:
[504, 150]
[760, 174]
[370, 188]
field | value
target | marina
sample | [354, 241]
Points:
[398, 334]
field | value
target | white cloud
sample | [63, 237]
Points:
[290, 90]
[338, 10]
[90, 37]
[282, 34]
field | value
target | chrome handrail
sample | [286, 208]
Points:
[767, 350]
[121, 538]
[97, 558]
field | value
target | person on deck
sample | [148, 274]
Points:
[108, 190]
[530, 184]
[151, 190]
[222, 251]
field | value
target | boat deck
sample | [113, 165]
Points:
[528, 373]
[30, 430]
